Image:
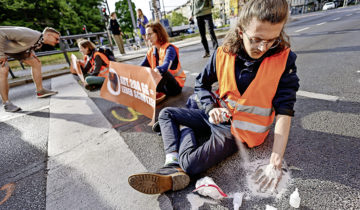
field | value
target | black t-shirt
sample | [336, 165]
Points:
[114, 27]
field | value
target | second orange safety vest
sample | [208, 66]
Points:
[178, 73]
[252, 112]
[104, 70]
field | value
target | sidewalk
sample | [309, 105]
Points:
[50, 71]
[88, 168]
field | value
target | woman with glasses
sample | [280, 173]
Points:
[163, 57]
[256, 80]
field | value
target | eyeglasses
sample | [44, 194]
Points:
[57, 38]
[149, 34]
[259, 43]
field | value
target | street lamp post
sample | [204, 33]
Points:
[107, 26]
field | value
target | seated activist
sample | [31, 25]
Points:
[164, 58]
[257, 83]
[96, 67]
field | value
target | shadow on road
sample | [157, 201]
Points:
[25, 165]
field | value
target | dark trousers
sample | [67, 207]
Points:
[168, 85]
[201, 24]
[200, 144]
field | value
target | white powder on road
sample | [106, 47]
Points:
[253, 188]
[196, 201]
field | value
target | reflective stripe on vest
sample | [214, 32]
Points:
[104, 70]
[250, 126]
[178, 73]
[250, 109]
[252, 112]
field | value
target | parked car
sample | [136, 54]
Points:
[329, 5]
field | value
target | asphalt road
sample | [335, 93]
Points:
[323, 150]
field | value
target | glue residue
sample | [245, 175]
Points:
[196, 201]
[250, 168]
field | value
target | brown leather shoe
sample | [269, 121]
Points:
[170, 177]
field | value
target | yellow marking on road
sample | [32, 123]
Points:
[134, 114]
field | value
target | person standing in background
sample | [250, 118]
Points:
[115, 29]
[142, 21]
[201, 9]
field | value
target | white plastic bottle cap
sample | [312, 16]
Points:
[295, 199]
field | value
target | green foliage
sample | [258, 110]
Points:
[216, 13]
[62, 15]
[177, 19]
[124, 16]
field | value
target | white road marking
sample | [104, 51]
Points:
[337, 18]
[348, 15]
[303, 29]
[16, 115]
[194, 74]
[358, 71]
[319, 24]
[186, 72]
[317, 95]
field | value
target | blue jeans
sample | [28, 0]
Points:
[200, 144]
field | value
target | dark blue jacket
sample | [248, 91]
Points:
[245, 71]
[171, 60]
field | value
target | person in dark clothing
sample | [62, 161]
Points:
[115, 29]
[257, 84]
[96, 67]
[201, 9]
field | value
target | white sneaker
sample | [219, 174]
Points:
[10, 107]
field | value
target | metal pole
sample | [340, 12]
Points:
[132, 14]
[107, 26]
[156, 5]
[107, 6]
[11, 73]
[164, 9]
[62, 47]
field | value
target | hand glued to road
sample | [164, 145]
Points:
[267, 178]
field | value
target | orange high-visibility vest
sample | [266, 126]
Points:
[104, 70]
[178, 73]
[252, 112]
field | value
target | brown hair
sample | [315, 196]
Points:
[87, 44]
[113, 13]
[160, 31]
[273, 11]
[51, 30]
[138, 14]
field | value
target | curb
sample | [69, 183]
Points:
[27, 79]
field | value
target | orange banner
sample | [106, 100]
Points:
[132, 86]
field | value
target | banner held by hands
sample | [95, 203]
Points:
[132, 86]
